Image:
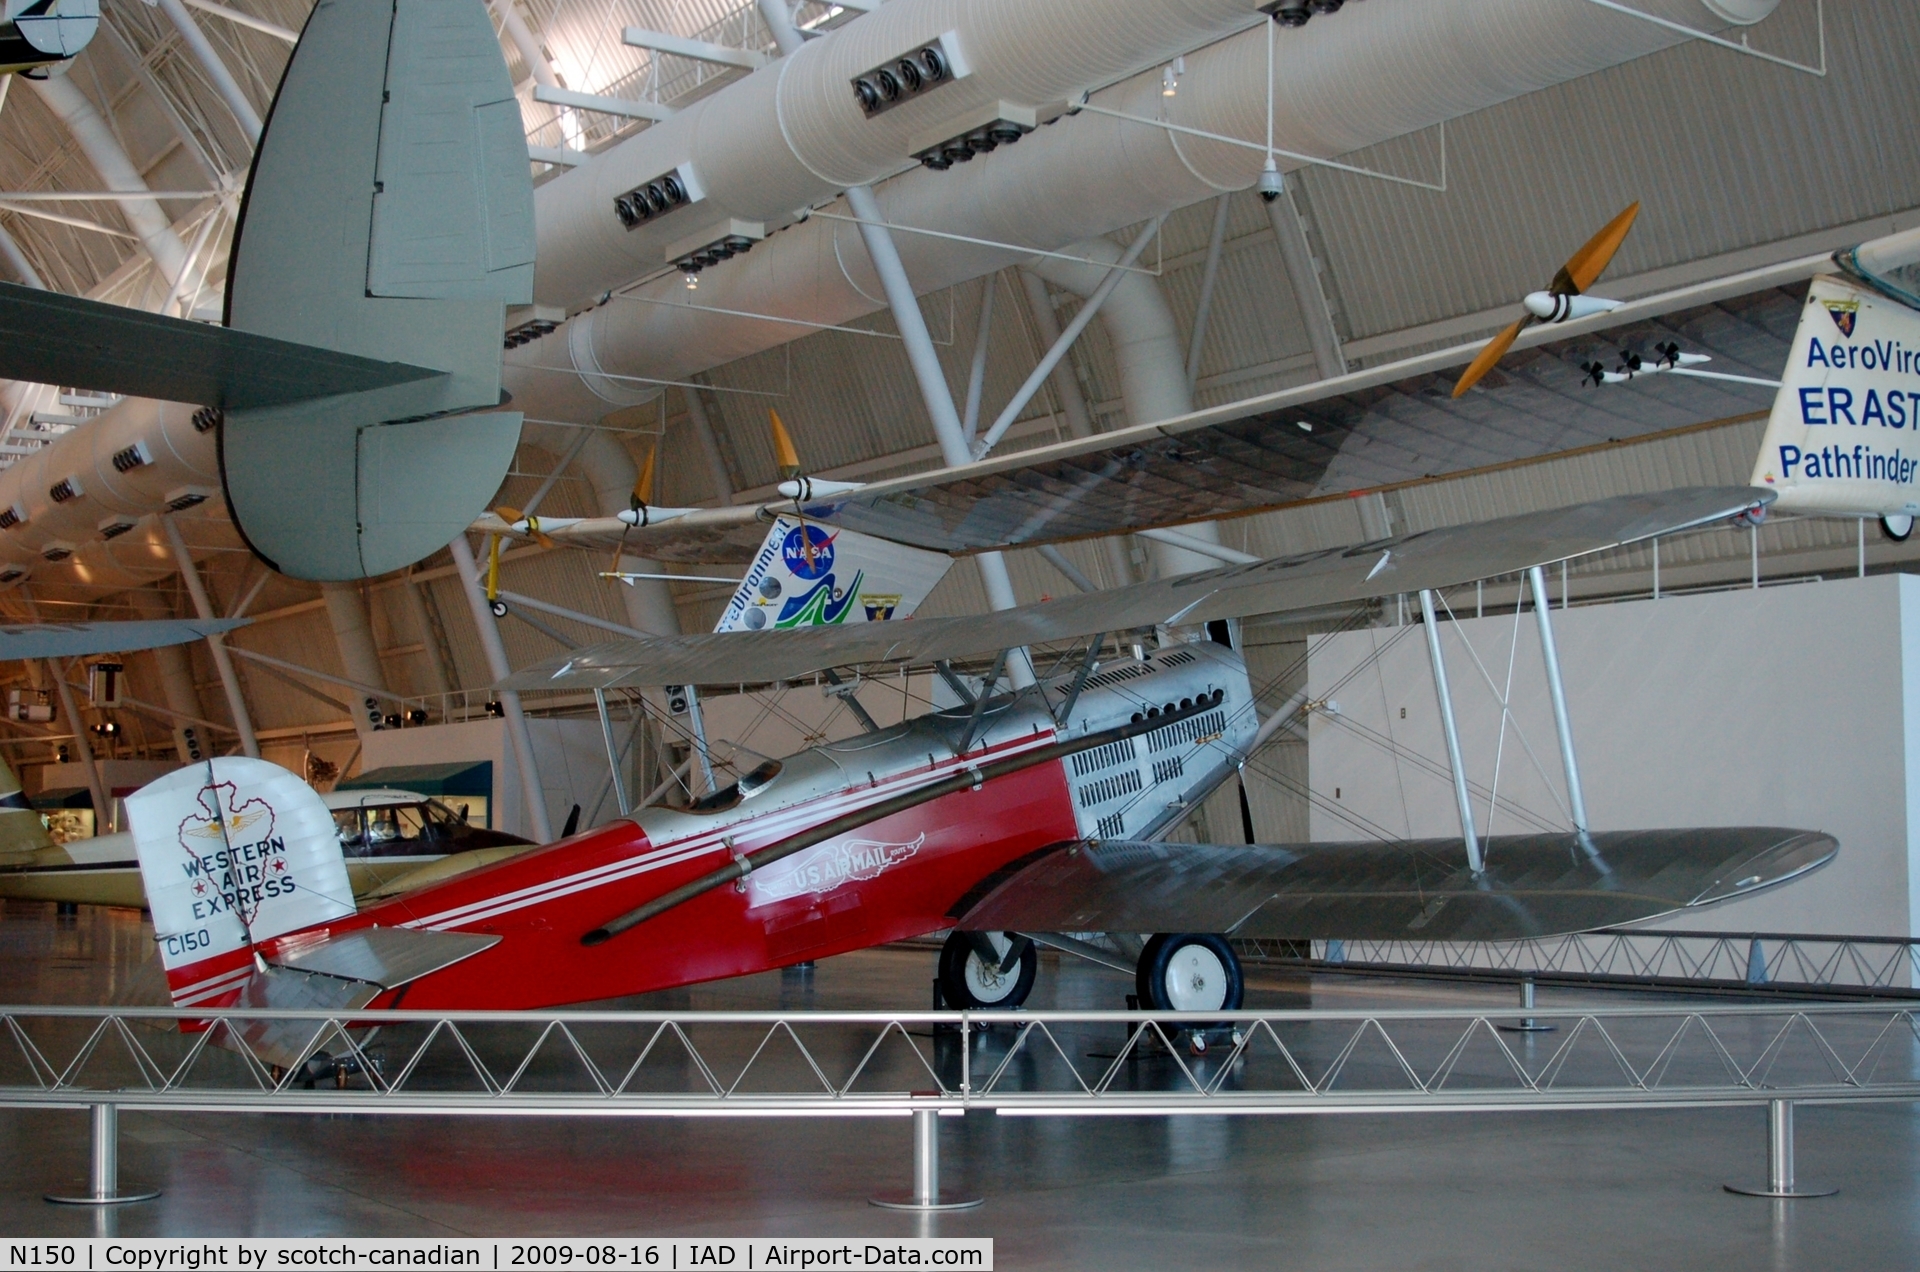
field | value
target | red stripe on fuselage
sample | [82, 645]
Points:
[543, 902]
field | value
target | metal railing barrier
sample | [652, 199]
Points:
[932, 1064]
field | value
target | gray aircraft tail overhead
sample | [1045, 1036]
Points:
[387, 222]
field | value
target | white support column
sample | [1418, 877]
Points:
[517, 734]
[82, 746]
[176, 681]
[1073, 403]
[439, 677]
[353, 635]
[222, 660]
[84, 123]
[1467, 831]
[223, 81]
[934, 392]
[1202, 547]
[717, 475]
[18, 262]
[521, 34]
[1550, 655]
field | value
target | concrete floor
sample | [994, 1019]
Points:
[1560, 1190]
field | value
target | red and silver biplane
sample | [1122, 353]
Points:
[1011, 819]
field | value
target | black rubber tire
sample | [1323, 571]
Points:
[1886, 528]
[1150, 977]
[957, 989]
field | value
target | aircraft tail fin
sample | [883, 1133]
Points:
[1843, 438]
[234, 852]
[809, 575]
[389, 215]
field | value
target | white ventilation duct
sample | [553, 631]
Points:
[1146, 348]
[139, 459]
[1371, 72]
[793, 134]
[103, 150]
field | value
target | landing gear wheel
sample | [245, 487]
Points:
[1897, 528]
[1188, 971]
[969, 982]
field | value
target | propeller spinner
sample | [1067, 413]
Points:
[1563, 300]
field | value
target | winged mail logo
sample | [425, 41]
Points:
[231, 852]
[1845, 313]
[828, 867]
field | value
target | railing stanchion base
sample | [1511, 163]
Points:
[1780, 1182]
[925, 1194]
[103, 1184]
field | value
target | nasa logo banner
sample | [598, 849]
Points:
[807, 552]
[807, 575]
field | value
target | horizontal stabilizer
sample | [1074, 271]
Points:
[48, 338]
[1438, 558]
[76, 640]
[387, 957]
[337, 974]
[1533, 885]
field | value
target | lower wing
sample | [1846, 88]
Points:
[1532, 886]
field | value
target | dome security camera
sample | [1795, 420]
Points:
[1272, 184]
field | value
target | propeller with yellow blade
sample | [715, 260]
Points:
[786, 462]
[530, 525]
[1564, 299]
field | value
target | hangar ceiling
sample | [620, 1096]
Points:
[1738, 162]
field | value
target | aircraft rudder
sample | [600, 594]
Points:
[233, 852]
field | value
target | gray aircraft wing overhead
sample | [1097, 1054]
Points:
[1391, 425]
[76, 640]
[1420, 890]
[1406, 563]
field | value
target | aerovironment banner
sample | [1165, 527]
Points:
[809, 575]
[1844, 435]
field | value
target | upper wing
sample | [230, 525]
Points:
[48, 338]
[1427, 559]
[74, 640]
[1389, 425]
[1533, 885]
[715, 536]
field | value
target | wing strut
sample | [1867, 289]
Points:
[1467, 833]
[1550, 655]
